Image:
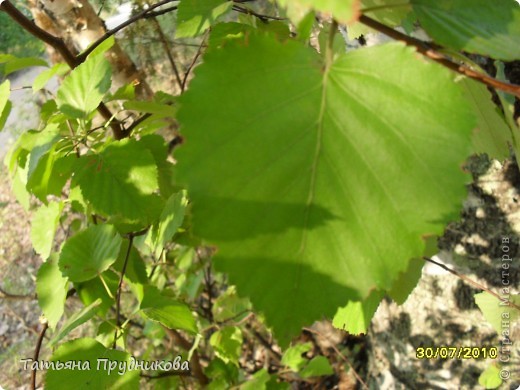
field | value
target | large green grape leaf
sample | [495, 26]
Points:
[195, 16]
[101, 373]
[484, 27]
[84, 88]
[319, 187]
[344, 11]
[51, 288]
[90, 252]
[120, 180]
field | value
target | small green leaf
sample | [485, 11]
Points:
[227, 343]
[491, 28]
[95, 289]
[5, 113]
[98, 376]
[168, 311]
[135, 267]
[195, 16]
[230, 306]
[318, 366]
[43, 78]
[90, 252]
[74, 321]
[356, 316]
[492, 134]
[344, 11]
[51, 173]
[490, 377]
[293, 358]
[44, 224]
[171, 219]
[120, 181]
[389, 12]
[103, 47]
[126, 92]
[407, 280]
[5, 107]
[84, 88]
[51, 289]
[21, 63]
[258, 381]
[496, 311]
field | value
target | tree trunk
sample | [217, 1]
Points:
[78, 24]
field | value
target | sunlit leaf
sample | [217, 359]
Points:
[478, 26]
[89, 253]
[195, 16]
[289, 181]
[51, 288]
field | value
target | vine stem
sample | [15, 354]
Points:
[472, 282]
[37, 353]
[119, 288]
[428, 50]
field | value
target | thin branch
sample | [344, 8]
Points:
[160, 12]
[37, 353]
[166, 374]
[82, 56]
[194, 362]
[7, 295]
[266, 344]
[472, 282]
[197, 55]
[262, 17]
[429, 50]
[119, 288]
[342, 356]
[167, 49]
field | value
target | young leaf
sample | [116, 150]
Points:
[51, 289]
[84, 88]
[89, 253]
[293, 358]
[492, 135]
[44, 224]
[120, 181]
[490, 377]
[286, 184]
[95, 289]
[491, 28]
[43, 78]
[496, 311]
[345, 11]
[356, 316]
[21, 63]
[74, 321]
[168, 311]
[258, 381]
[318, 366]
[227, 343]
[5, 108]
[389, 12]
[98, 376]
[171, 219]
[195, 16]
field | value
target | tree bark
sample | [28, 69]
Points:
[76, 22]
